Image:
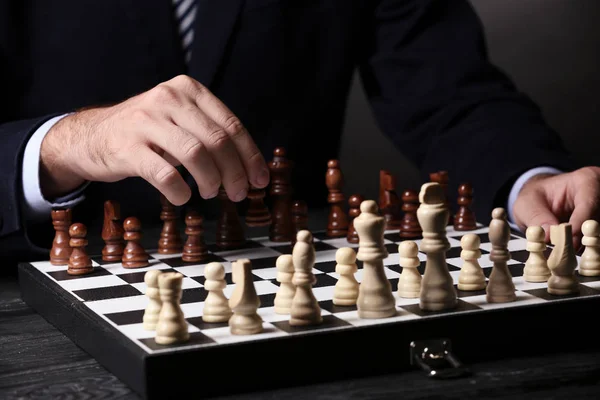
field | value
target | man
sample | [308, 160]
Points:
[107, 98]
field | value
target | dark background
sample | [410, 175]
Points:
[551, 49]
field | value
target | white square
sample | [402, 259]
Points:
[223, 335]
[259, 252]
[352, 318]
[118, 269]
[91, 282]
[120, 304]
[522, 299]
[186, 283]
[198, 270]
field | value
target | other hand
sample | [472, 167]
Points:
[572, 197]
[178, 122]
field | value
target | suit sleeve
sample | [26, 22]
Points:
[437, 96]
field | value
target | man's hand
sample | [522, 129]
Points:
[178, 122]
[549, 199]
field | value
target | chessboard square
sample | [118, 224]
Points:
[329, 321]
[117, 304]
[196, 339]
[515, 270]
[340, 243]
[322, 235]
[454, 252]
[584, 291]
[392, 248]
[138, 277]
[252, 254]
[261, 287]
[334, 309]
[118, 269]
[396, 238]
[63, 275]
[522, 285]
[267, 300]
[179, 262]
[260, 263]
[271, 273]
[248, 245]
[192, 310]
[520, 256]
[324, 280]
[522, 299]
[198, 270]
[200, 324]
[592, 284]
[404, 301]
[97, 259]
[397, 268]
[586, 279]
[186, 283]
[126, 317]
[352, 318]
[325, 267]
[323, 293]
[160, 256]
[325, 255]
[108, 292]
[268, 314]
[195, 295]
[136, 331]
[461, 306]
[468, 293]
[224, 335]
[46, 267]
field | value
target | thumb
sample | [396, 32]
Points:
[533, 210]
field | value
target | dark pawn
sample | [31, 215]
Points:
[79, 261]
[170, 241]
[337, 225]
[389, 202]
[282, 227]
[410, 227]
[442, 178]
[354, 211]
[112, 232]
[465, 220]
[230, 232]
[61, 251]
[299, 217]
[134, 255]
[194, 249]
[258, 213]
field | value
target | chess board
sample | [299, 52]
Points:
[102, 313]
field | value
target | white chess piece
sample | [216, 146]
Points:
[500, 287]
[216, 305]
[409, 284]
[471, 276]
[345, 292]
[285, 274]
[590, 259]
[305, 308]
[536, 267]
[244, 301]
[152, 292]
[172, 326]
[562, 261]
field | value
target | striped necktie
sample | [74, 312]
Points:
[185, 12]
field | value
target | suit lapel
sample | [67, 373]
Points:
[215, 20]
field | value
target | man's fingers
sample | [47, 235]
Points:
[586, 207]
[162, 175]
[532, 209]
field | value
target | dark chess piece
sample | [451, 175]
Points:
[442, 178]
[61, 250]
[170, 240]
[230, 232]
[282, 228]
[194, 249]
[389, 202]
[465, 220]
[337, 225]
[79, 261]
[258, 213]
[134, 255]
[112, 232]
[299, 217]
[410, 227]
[353, 211]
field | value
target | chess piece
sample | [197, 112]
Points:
[375, 297]
[409, 226]
[500, 287]
[257, 214]
[345, 292]
[562, 261]
[61, 251]
[465, 220]
[171, 327]
[112, 232]
[299, 217]
[154, 304]
[305, 309]
[442, 178]
[409, 284]
[216, 305]
[285, 274]
[471, 276]
[536, 267]
[337, 225]
[437, 286]
[134, 255]
[244, 301]
[590, 259]
[389, 202]
[230, 232]
[170, 240]
[195, 249]
[353, 212]
[79, 261]
[282, 229]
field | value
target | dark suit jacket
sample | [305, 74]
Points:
[285, 68]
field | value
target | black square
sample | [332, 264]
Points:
[196, 338]
[324, 280]
[460, 307]
[267, 300]
[200, 324]
[248, 244]
[126, 317]
[109, 292]
[420, 268]
[332, 308]
[396, 238]
[64, 276]
[138, 277]
[177, 262]
[194, 295]
[329, 321]
[519, 255]
[319, 246]
[392, 248]
[321, 235]
[584, 279]
[100, 261]
[469, 293]
[514, 269]
[327, 267]
[454, 252]
[583, 292]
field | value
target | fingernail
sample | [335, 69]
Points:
[241, 195]
[263, 177]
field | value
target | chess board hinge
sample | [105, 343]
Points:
[435, 357]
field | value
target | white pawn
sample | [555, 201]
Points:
[471, 275]
[153, 307]
[590, 259]
[409, 284]
[172, 326]
[536, 267]
[345, 292]
[216, 305]
[285, 274]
